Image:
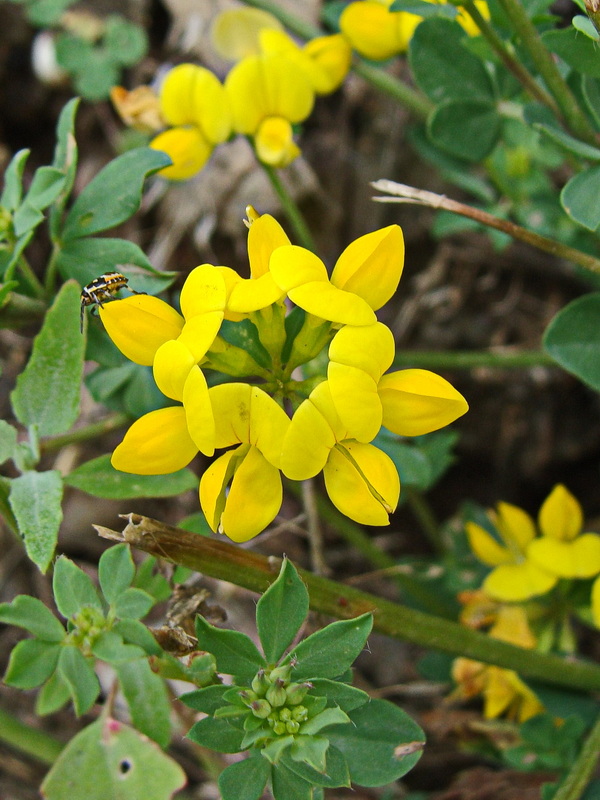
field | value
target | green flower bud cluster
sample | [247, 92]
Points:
[87, 625]
[275, 700]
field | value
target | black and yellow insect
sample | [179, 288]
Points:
[101, 289]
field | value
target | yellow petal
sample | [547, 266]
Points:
[293, 266]
[156, 444]
[213, 487]
[466, 20]
[375, 32]
[199, 333]
[307, 443]
[172, 364]
[371, 266]
[486, 548]
[138, 325]
[416, 401]
[356, 400]
[515, 582]
[253, 294]
[235, 32]
[268, 425]
[322, 399]
[267, 86]
[561, 516]
[193, 95]
[595, 602]
[362, 483]
[254, 498]
[327, 302]
[369, 348]
[187, 148]
[231, 404]
[198, 411]
[333, 57]
[204, 290]
[274, 142]
[579, 558]
[265, 235]
[515, 526]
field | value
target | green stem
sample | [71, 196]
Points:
[381, 80]
[497, 359]
[426, 519]
[292, 211]
[530, 39]
[582, 769]
[31, 278]
[256, 572]
[29, 740]
[401, 193]
[92, 431]
[51, 270]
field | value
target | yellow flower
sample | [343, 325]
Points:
[515, 576]
[374, 31]
[235, 32]
[562, 549]
[361, 480]
[268, 94]
[241, 491]
[503, 691]
[194, 103]
[138, 108]
[410, 402]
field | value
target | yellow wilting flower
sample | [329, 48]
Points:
[504, 693]
[194, 103]
[138, 108]
[235, 33]
[268, 94]
[515, 576]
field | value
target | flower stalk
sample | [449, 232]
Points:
[256, 573]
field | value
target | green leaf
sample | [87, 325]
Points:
[311, 750]
[78, 674]
[235, 653]
[250, 775]
[86, 259]
[244, 335]
[423, 9]
[383, 744]
[147, 699]
[114, 194]
[111, 760]
[35, 500]
[281, 611]
[26, 218]
[30, 613]
[569, 143]
[8, 440]
[336, 772]
[133, 604]
[95, 81]
[217, 734]
[48, 390]
[53, 695]
[207, 700]
[125, 42]
[289, 786]
[339, 694]
[332, 650]
[466, 129]
[579, 198]
[576, 50]
[47, 184]
[46, 13]
[116, 571]
[443, 67]
[584, 25]
[13, 181]
[65, 159]
[135, 632]
[31, 663]
[110, 647]
[573, 339]
[100, 479]
[591, 93]
[330, 716]
[73, 589]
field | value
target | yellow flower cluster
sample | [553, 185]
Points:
[279, 416]
[270, 89]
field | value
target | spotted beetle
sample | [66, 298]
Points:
[102, 289]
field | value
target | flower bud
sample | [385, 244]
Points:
[292, 726]
[300, 713]
[296, 692]
[279, 728]
[260, 684]
[276, 694]
[282, 673]
[260, 709]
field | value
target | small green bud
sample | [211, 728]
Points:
[292, 726]
[279, 728]
[260, 684]
[300, 713]
[281, 674]
[276, 694]
[261, 709]
[248, 697]
[285, 714]
[296, 692]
